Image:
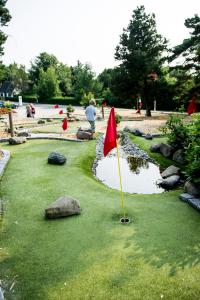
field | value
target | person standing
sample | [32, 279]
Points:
[28, 111]
[32, 110]
[90, 114]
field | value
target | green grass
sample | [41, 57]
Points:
[57, 127]
[91, 256]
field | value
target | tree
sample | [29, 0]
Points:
[83, 80]
[48, 85]
[65, 79]
[18, 75]
[140, 52]
[5, 17]
[189, 51]
[42, 62]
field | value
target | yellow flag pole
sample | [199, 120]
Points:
[120, 180]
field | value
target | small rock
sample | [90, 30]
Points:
[63, 207]
[84, 135]
[23, 133]
[155, 148]
[138, 132]
[41, 122]
[148, 137]
[170, 182]
[172, 170]
[56, 158]
[17, 140]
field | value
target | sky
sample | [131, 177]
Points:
[85, 30]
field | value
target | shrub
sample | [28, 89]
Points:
[70, 110]
[192, 150]
[177, 131]
[118, 118]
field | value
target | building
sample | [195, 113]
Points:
[7, 90]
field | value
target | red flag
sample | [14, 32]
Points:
[110, 141]
[64, 124]
[56, 106]
[192, 107]
[61, 112]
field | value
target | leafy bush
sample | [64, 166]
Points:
[186, 137]
[177, 131]
[192, 150]
[70, 109]
[118, 118]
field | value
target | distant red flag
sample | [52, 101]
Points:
[192, 107]
[56, 106]
[61, 112]
[110, 141]
[64, 124]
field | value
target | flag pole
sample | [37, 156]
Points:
[120, 180]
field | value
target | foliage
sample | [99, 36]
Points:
[65, 79]
[83, 81]
[189, 51]
[118, 118]
[70, 109]
[86, 99]
[192, 150]
[18, 76]
[177, 131]
[42, 63]
[48, 85]
[186, 136]
[140, 52]
[5, 17]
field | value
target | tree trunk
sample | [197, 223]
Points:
[11, 124]
[148, 111]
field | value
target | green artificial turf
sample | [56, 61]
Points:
[91, 256]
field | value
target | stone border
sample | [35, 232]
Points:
[191, 200]
[4, 140]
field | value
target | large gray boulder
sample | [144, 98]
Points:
[179, 157]
[63, 207]
[171, 170]
[166, 150]
[23, 133]
[84, 135]
[192, 189]
[155, 148]
[170, 182]
[129, 129]
[148, 136]
[56, 158]
[17, 140]
[138, 132]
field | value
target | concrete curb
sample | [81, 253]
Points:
[3, 161]
[4, 140]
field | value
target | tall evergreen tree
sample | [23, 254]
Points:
[140, 53]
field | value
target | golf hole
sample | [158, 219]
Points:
[125, 220]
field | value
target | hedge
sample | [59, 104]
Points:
[54, 100]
